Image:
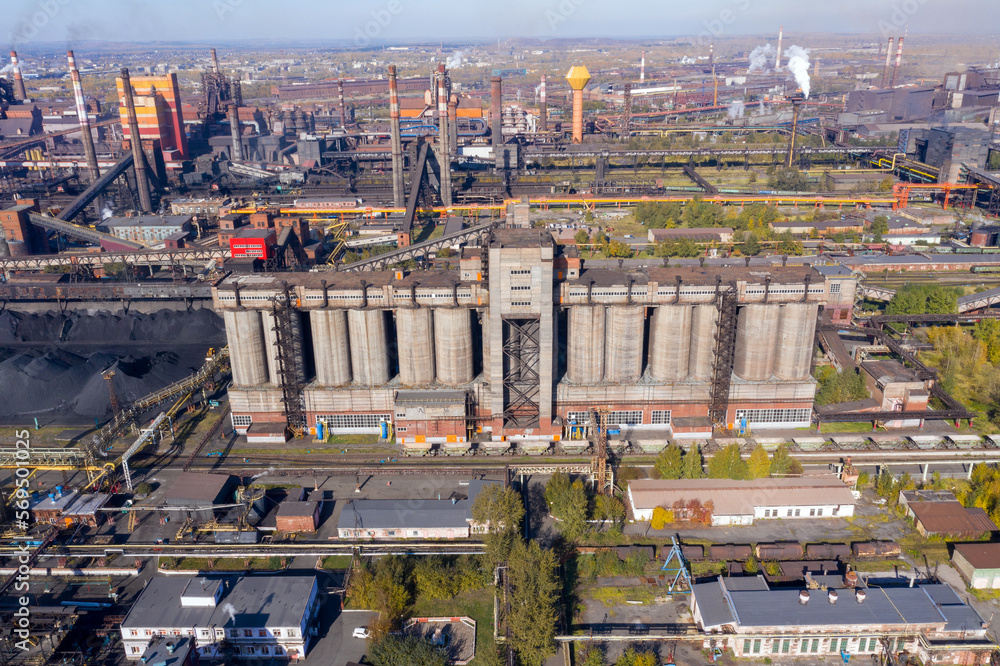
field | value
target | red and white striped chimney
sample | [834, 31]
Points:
[899, 62]
[19, 92]
[777, 59]
[84, 118]
[543, 108]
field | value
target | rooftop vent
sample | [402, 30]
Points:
[832, 596]
[804, 597]
[860, 596]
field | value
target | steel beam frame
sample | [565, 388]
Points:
[521, 379]
[726, 302]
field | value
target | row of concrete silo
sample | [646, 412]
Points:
[607, 344]
[353, 346]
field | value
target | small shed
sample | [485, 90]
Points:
[199, 495]
[950, 519]
[979, 564]
[298, 516]
[71, 508]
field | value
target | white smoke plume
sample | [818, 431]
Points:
[762, 108]
[264, 473]
[106, 213]
[688, 61]
[737, 109]
[229, 608]
[6, 68]
[798, 65]
[761, 58]
[454, 60]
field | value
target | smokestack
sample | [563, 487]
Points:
[215, 62]
[543, 108]
[642, 68]
[397, 144]
[453, 124]
[711, 54]
[796, 106]
[19, 92]
[888, 61]
[234, 129]
[578, 77]
[899, 61]
[343, 110]
[777, 59]
[138, 158]
[444, 155]
[496, 91]
[84, 117]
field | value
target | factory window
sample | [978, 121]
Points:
[203, 633]
[521, 271]
[785, 644]
[521, 304]
[400, 429]
[900, 644]
[789, 514]
[773, 415]
[135, 649]
[819, 512]
[414, 533]
[264, 650]
[746, 645]
[843, 645]
[756, 646]
[248, 633]
[815, 646]
[631, 417]
[291, 633]
[242, 420]
[277, 633]
[834, 287]
[797, 513]
[872, 644]
[354, 420]
[775, 643]
[661, 417]
[833, 645]
[134, 632]
[521, 287]
[812, 512]
[578, 417]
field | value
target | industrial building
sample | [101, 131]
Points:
[158, 108]
[523, 342]
[741, 502]
[251, 618]
[147, 229]
[979, 564]
[847, 617]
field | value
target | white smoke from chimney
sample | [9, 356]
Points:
[106, 213]
[6, 68]
[688, 61]
[229, 608]
[798, 65]
[454, 60]
[760, 58]
[737, 109]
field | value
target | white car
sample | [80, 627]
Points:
[361, 632]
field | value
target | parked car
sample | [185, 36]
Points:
[361, 632]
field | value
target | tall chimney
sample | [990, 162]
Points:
[899, 61]
[397, 143]
[642, 68]
[84, 117]
[19, 92]
[777, 59]
[888, 61]
[543, 108]
[343, 109]
[453, 124]
[444, 155]
[138, 158]
[711, 54]
[578, 77]
[234, 129]
[496, 122]
[215, 62]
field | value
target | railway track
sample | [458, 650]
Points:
[290, 549]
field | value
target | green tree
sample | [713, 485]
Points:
[592, 656]
[923, 299]
[607, 507]
[694, 463]
[534, 592]
[581, 237]
[669, 463]
[880, 225]
[618, 250]
[434, 579]
[635, 657]
[728, 464]
[567, 501]
[836, 387]
[751, 245]
[394, 650]
[759, 463]
[987, 331]
[783, 464]
[499, 511]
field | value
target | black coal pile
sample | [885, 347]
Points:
[52, 365]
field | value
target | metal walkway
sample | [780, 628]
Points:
[382, 261]
[77, 205]
[77, 231]
[979, 301]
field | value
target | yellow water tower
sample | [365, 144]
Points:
[578, 77]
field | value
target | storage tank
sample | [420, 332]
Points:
[785, 550]
[704, 324]
[247, 356]
[756, 333]
[369, 352]
[585, 344]
[331, 347]
[670, 343]
[827, 551]
[453, 345]
[415, 346]
[623, 343]
[796, 333]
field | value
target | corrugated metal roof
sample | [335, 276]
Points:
[951, 518]
[980, 555]
[740, 497]
[195, 487]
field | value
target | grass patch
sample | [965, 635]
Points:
[477, 604]
[984, 595]
[878, 566]
[222, 564]
[933, 550]
[700, 569]
[618, 596]
[834, 428]
[337, 562]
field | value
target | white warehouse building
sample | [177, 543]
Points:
[742, 502]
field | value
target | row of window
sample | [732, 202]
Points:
[619, 418]
[242, 420]
[813, 645]
[521, 271]
[774, 415]
[521, 287]
[354, 420]
[219, 633]
[248, 650]
[796, 513]
[521, 304]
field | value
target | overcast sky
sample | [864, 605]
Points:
[372, 22]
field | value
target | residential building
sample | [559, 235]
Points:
[258, 617]
[742, 502]
[449, 518]
[979, 564]
[754, 621]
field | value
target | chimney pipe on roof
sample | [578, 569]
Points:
[397, 144]
[138, 157]
[832, 596]
[888, 61]
[496, 122]
[860, 595]
[19, 92]
[899, 62]
[804, 597]
[543, 108]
